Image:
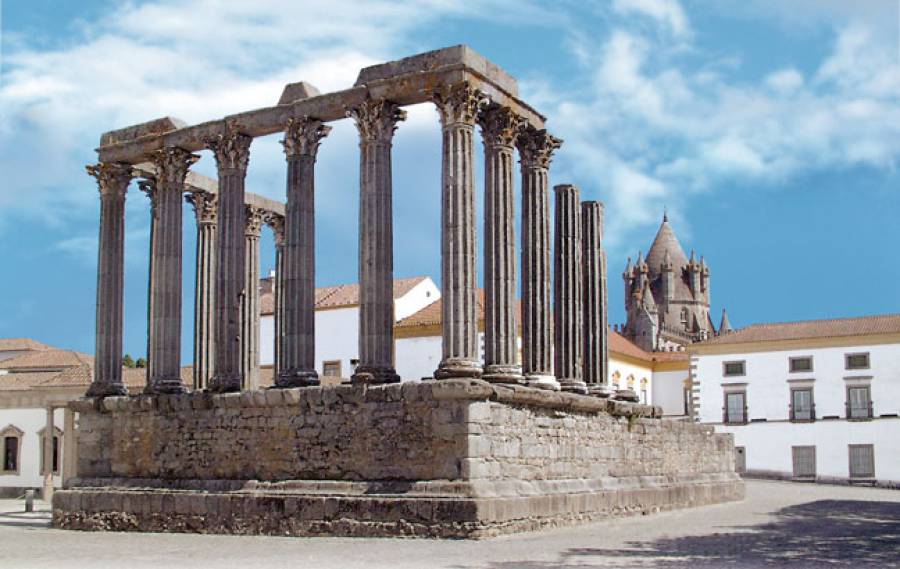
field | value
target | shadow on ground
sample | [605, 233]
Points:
[31, 520]
[825, 533]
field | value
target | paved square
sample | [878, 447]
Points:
[779, 524]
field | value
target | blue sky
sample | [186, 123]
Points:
[770, 131]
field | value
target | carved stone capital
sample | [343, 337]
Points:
[303, 135]
[536, 147]
[276, 223]
[205, 206]
[172, 165]
[148, 186]
[254, 219]
[500, 126]
[112, 177]
[376, 120]
[459, 104]
[232, 149]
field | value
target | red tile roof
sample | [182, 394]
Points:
[21, 344]
[810, 329]
[339, 296]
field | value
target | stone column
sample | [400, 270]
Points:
[250, 299]
[458, 107]
[164, 355]
[232, 151]
[70, 445]
[48, 457]
[596, 328]
[276, 223]
[113, 179]
[376, 122]
[205, 206]
[499, 129]
[297, 359]
[567, 280]
[536, 148]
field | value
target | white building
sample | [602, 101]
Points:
[816, 400]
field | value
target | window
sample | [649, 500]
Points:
[731, 369]
[859, 402]
[55, 462]
[687, 400]
[735, 407]
[685, 319]
[804, 460]
[802, 407]
[862, 461]
[331, 368]
[857, 361]
[797, 365]
[11, 442]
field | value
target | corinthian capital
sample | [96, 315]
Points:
[172, 165]
[459, 104]
[376, 120]
[254, 219]
[205, 206]
[500, 126]
[112, 177]
[232, 149]
[148, 186]
[303, 135]
[276, 223]
[536, 147]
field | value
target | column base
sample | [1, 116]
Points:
[542, 382]
[224, 384]
[502, 373]
[296, 378]
[374, 375]
[457, 367]
[626, 395]
[601, 390]
[573, 386]
[106, 390]
[169, 385]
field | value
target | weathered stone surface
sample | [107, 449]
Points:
[156, 126]
[297, 91]
[455, 458]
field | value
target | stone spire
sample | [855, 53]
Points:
[725, 325]
[665, 243]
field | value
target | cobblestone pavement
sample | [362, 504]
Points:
[779, 524]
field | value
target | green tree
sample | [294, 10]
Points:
[127, 361]
[141, 363]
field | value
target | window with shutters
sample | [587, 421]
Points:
[800, 364]
[733, 369]
[859, 402]
[735, 407]
[804, 460]
[857, 361]
[331, 368]
[802, 406]
[862, 461]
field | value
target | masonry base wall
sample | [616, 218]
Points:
[455, 458]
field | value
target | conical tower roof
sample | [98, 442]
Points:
[665, 242]
[725, 325]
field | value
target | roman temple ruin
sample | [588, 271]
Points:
[477, 451]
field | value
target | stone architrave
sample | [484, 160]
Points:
[164, 323]
[232, 152]
[276, 223]
[376, 122]
[500, 127]
[205, 206]
[458, 107]
[113, 180]
[254, 219]
[298, 347]
[595, 313]
[536, 149]
[567, 302]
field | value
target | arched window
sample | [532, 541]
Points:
[11, 445]
[615, 379]
[685, 318]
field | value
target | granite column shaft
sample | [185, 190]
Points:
[596, 331]
[567, 302]
[250, 299]
[113, 180]
[232, 151]
[205, 206]
[298, 347]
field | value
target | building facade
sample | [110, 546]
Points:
[815, 401]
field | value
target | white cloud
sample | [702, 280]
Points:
[669, 13]
[784, 80]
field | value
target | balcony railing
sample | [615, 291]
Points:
[802, 415]
[859, 413]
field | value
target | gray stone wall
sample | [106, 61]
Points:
[458, 429]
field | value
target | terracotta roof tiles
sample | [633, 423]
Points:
[810, 329]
